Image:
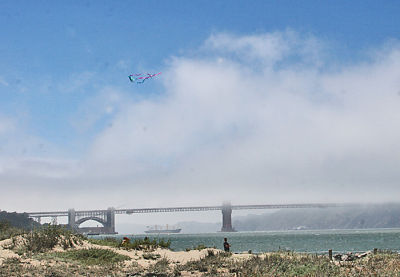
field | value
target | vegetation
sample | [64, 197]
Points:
[108, 259]
[137, 244]
[293, 264]
[151, 256]
[100, 262]
[18, 220]
[286, 265]
[91, 256]
[39, 240]
[107, 241]
[14, 267]
[162, 266]
[146, 244]
[33, 236]
[211, 263]
[7, 231]
[199, 247]
[45, 239]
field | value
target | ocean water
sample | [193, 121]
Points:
[309, 241]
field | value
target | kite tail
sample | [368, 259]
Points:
[140, 80]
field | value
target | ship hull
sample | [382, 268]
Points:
[173, 231]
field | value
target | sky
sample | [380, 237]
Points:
[258, 102]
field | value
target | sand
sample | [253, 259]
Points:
[4, 252]
[176, 257]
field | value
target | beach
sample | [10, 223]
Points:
[78, 256]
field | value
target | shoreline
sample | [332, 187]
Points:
[57, 252]
[59, 261]
[315, 241]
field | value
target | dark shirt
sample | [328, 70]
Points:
[226, 246]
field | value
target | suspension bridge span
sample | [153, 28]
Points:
[107, 217]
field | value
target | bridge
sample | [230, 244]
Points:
[107, 217]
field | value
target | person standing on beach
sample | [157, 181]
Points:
[226, 245]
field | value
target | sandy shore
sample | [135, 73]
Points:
[194, 263]
[137, 258]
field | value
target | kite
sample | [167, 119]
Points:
[140, 78]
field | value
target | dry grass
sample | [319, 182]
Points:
[137, 244]
[87, 256]
[294, 264]
[272, 264]
[43, 240]
[35, 255]
[51, 268]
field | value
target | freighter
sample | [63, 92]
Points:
[159, 230]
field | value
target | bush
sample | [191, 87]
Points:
[137, 244]
[19, 220]
[151, 256]
[47, 238]
[107, 241]
[161, 266]
[209, 263]
[92, 256]
[199, 247]
[146, 244]
[7, 231]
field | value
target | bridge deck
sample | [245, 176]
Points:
[188, 209]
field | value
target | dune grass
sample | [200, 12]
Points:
[293, 264]
[37, 245]
[7, 231]
[137, 244]
[91, 256]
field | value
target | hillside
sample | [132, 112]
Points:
[368, 216]
[18, 220]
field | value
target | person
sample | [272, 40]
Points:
[226, 245]
[125, 241]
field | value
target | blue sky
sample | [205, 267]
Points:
[242, 82]
[45, 44]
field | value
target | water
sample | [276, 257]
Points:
[310, 241]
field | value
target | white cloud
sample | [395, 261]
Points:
[261, 118]
[40, 167]
[97, 108]
[228, 129]
[267, 49]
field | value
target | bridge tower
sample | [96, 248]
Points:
[71, 219]
[227, 217]
[110, 221]
[104, 217]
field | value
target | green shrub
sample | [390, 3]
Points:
[161, 266]
[107, 241]
[7, 231]
[44, 239]
[146, 244]
[200, 247]
[210, 253]
[4, 225]
[92, 256]
[137, 244]
[151, 256]
[19, 220]
[207, 264]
